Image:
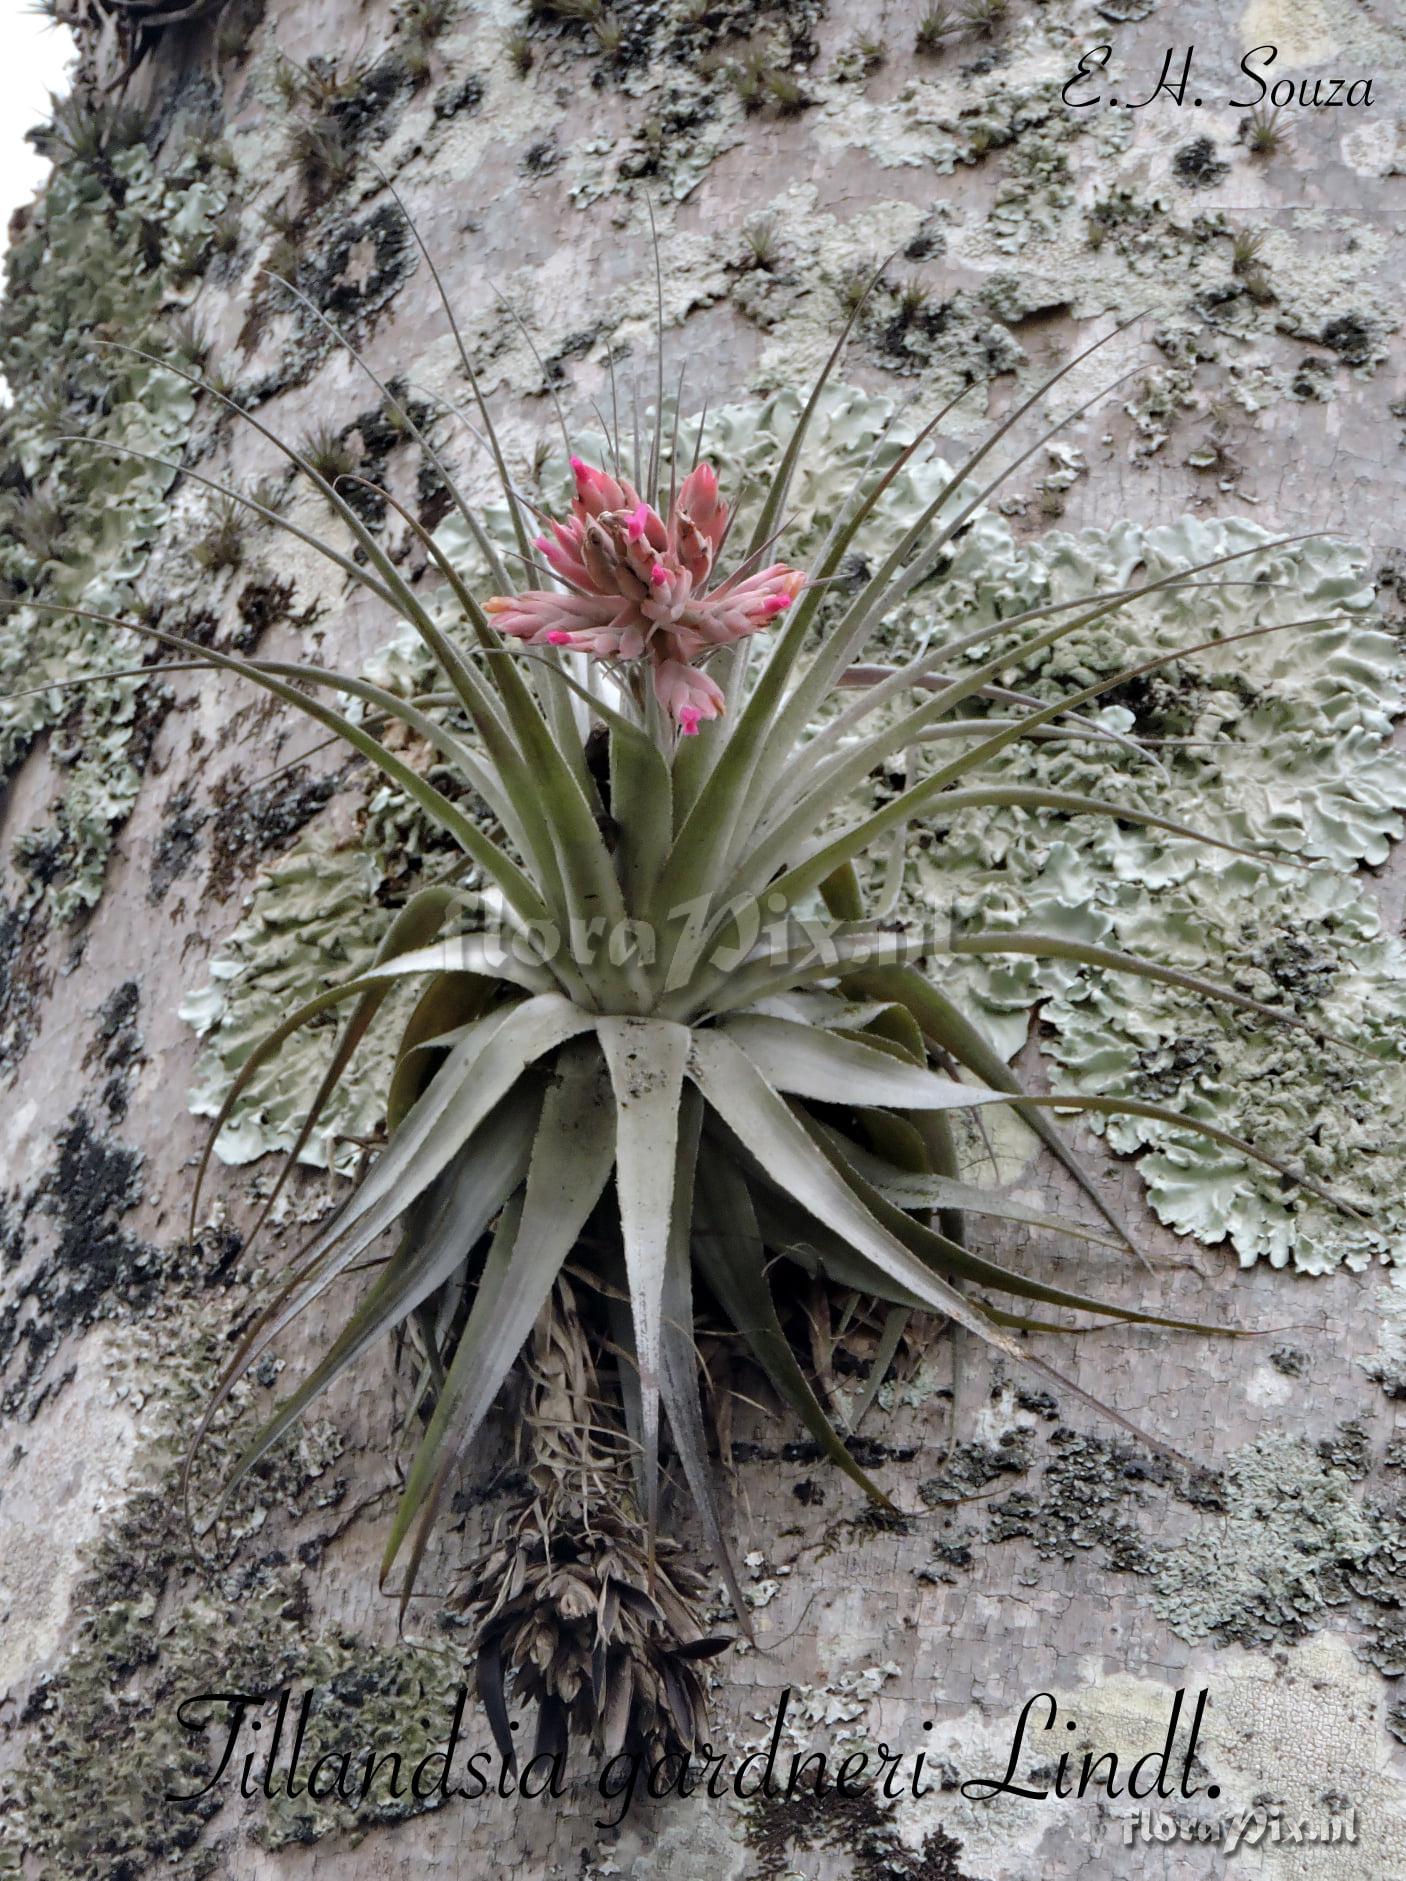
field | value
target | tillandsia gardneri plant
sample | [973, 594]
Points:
[658, 1041]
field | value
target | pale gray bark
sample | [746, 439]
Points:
[949, 1619]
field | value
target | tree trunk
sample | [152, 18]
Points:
[1041, 1550]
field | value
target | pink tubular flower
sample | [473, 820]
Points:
[640, 588]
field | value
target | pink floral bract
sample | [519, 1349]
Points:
[639, 588]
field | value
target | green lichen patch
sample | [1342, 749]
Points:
[1283, 747]
[1276, 1543]
[157, 1620]
[1291, 1542]
[158, 1628]
[108, 252]
[315, 914]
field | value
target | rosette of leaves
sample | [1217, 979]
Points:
[657, 1034]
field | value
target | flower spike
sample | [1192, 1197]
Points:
[644, 588]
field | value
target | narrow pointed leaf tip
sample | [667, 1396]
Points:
[645, 589]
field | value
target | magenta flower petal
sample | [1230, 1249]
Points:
[641, 588]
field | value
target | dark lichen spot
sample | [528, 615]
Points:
[1197, 164]
[259, 605]
[24, 979]
[1163, 1070]
[117, 1046]
[927, 243]
[1085, 1484]
[973, 1466]
[949, 1558]
[540, 157]
[1312, 379]
[433, 497]
[1038, 1403]
[93, 1267]
[1295, 963]
[857, 1827]
[358, 268]
[1353, 337]
[250, 823]
[176, 841]
[1348, 1450]
[360, 111]
[868, 1452]
[459, 99]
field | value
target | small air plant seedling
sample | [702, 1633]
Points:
[91, 133]
[661, 1048]
[415, 57]
[420, 25]
[290, 82]
[610, 34]
[786, 92]
[40, 523]
[1246, 250]
[584, 12]
[983, 16]
[327, 454]
[761, 242]
[935, 26]
[854, 286]
[518, 45]
[270, 493]
[284, 218]
[1266, 132]
[220, 156]
[873, 53]
[220, 544]
[747, 76]
[227, 230]
[332, 81]
[324, 158]
[284, 258]
[426, 19]
[913, 296]
[186, 339]
[219, 376]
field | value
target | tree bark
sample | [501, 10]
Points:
[1042, 1550]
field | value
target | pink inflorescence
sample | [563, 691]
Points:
[638, 588]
